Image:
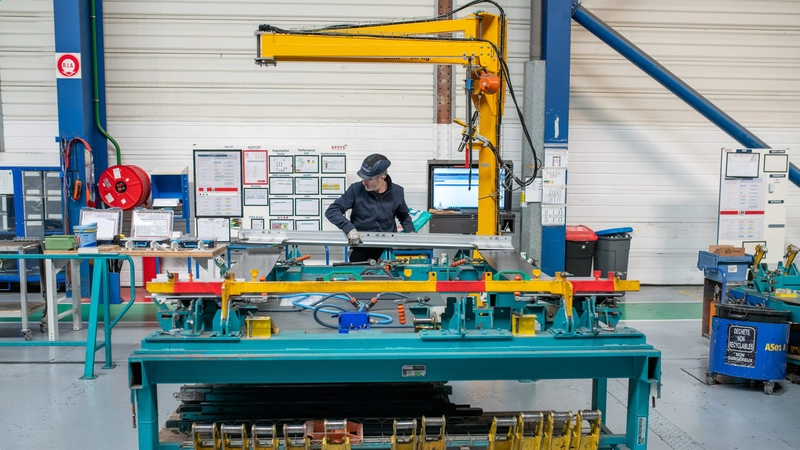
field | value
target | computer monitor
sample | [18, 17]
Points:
[450, 187]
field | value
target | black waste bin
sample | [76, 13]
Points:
[612, 251]
[579, 250]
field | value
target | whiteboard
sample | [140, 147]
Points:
[218, 183]
[216, 228]
[109, 223]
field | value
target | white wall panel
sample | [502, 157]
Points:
[188, 60]
[643, 158]
[663, 183]
[27, 61]
[181, 72]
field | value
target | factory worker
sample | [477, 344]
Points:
[375, 203]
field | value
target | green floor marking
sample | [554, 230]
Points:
[661, 311]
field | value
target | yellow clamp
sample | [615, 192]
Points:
[432, 441]
[329, 443]
[557, 439]
[234, 434]
[529, 431]
[206, 437]
[506, 440]
[409, 443]
[591, 440]
[295, 437]
[265, 437]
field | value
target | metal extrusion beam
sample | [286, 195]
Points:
[674, 84]
[507, 261]
[379, 239]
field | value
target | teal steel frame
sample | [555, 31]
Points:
[99, 291]
[319, 358]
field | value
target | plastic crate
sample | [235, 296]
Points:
[60, 242]
[735, 267]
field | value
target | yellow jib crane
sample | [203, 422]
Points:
[478, 44]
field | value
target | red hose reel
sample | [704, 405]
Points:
[124, 187]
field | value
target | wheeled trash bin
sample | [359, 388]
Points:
[579, 250]
[749, 342]
[612, 251]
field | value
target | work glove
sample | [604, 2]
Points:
[353, 238]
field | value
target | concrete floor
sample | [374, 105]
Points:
[46, 405]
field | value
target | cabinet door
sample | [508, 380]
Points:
[32, 183]
[34, 217]
[53, 217]
[7, 216]
[52, 184]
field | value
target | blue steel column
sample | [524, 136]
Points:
[674, 84]
[556, 23]
[75, 105]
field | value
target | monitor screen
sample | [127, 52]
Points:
[451, 188]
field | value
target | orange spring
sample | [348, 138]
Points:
[458, 262]
[303, 257]
[401, 314]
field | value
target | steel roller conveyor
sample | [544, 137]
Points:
[377, 239]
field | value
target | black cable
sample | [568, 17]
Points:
[398, 294]
[319, 321]
[536, 161]
[345, 26]
[504, 74]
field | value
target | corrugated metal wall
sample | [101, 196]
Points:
[181, 73]
[640, 156]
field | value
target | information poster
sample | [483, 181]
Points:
[743, 195]
[554, 215]
[333, 163]
[6, 182]
[742, 208]
[254, 167]
[219, 229]
[218, 183]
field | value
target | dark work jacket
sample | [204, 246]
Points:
[371, 211]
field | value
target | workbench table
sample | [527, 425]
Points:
[292, 358]
[204, 257]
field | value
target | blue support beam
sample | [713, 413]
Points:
[674, 84]
[76, 114]
[556, 34]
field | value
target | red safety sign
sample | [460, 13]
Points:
[68, 65]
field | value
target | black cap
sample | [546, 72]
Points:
[374, 164]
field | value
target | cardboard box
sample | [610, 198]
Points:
[726, 250]
[794, 339]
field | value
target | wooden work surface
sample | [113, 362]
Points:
[147, 253]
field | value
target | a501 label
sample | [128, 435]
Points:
[414, 371]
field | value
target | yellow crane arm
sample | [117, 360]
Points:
[408, 42]
[479, 46]
[358, 48]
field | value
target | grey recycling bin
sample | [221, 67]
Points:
[612, 250]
